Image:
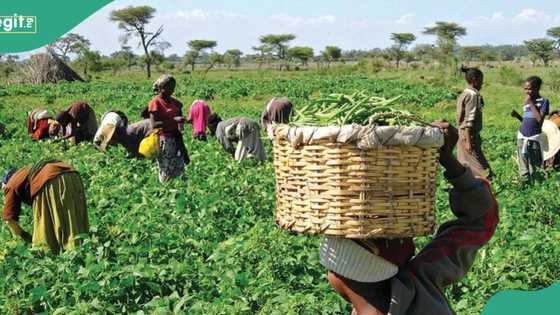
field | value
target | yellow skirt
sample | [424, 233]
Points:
[59, 213]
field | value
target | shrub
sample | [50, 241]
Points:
[510, 76]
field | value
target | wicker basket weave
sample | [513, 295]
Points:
[338, 189]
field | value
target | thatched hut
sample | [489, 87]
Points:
[46, 68]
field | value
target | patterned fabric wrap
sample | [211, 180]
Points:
[170, 161]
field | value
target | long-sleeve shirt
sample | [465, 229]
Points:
[418, 287]
[20, 189]
[198, 116]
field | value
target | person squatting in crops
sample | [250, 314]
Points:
[39, 122]
[385, 277]
[277, 111]
[114, 129]
[240, 136]
[469, 122]
[77, 123]
[166, 114]
[55, 192]
[530, 136]
[198, 117]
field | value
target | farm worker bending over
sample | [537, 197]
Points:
[243, 132]
[530, 136]
[469, 122]
[198, 117]
[377, 280]
[78, 123]
[38, 123]
[277, 111]
[114, 129]
[213, 120]
[55, 192]
[166, 113]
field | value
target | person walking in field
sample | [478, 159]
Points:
[198, 117]
[240, 136]
[166, 114]
[277, 111]
[469, 122]
[55, 192]
[39, 122]
[385, 277]
[78, 123]
[530, 137]
[114, 129]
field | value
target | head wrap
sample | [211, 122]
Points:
[9, 174]
[162, 81]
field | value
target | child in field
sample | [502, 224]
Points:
[530, 136]
[386, 279]
[469, 122]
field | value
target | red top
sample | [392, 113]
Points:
[41, 130]
[164, 111]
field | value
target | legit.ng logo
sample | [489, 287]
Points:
[18, 24]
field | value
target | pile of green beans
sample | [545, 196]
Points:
[357, 108]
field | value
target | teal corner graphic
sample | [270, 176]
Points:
[31, 24]
[542, 302]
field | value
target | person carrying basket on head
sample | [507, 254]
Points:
[385, 277]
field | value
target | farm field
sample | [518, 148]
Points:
[207, 244]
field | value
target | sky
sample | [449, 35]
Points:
[349, 24]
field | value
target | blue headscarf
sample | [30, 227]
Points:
[8, 175]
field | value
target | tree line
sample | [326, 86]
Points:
[276, 49]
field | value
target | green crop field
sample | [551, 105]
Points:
[207, 243]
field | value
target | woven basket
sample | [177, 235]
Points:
[338, 189]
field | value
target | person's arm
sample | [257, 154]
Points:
[471, 105]
[516, 115]
[154, 122]
[12, 209]
[448, 257]
[18, 231]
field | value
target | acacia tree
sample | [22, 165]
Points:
[89, 60]
[555, 33]
[277, 44]
[303, 54]
[162, 46]
[331, 54]
[126, 55]
[133, 20]
[213, 60]
[541, 48]
[399, 49]
[232, 57]
[70, 43]
[263, 52]
[447, 34]
[197, 46]
[471, 53]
